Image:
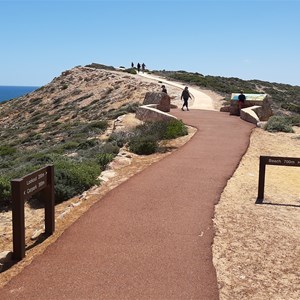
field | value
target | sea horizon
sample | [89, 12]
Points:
[8, 92]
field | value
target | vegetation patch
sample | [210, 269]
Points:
[279, 123]
[144, 139]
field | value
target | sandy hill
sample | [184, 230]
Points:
[79, 95]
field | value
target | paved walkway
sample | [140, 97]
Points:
[149, 238]
[200, 100]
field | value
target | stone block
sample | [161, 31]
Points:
[150, 113]
[162, 100]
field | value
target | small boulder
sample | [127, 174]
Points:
[162, 100]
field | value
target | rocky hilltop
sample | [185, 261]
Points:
[82, 94]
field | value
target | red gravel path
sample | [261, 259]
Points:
[149, 238]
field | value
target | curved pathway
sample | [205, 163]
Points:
[200, 100]
[149, 238]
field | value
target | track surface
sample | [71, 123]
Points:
[149, 238]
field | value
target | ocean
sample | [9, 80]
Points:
[10, 92]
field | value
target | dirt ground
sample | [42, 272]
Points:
[256, 248]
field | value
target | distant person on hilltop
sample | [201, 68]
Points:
[143, 67]
[138, 67]
[185, 96]
[163, 89]
[241, 101]
[132, 65]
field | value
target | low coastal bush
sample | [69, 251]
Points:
[7, 150]
[120, 138]
[5, 190]
[103, 159]
[175, 129]
[124, 109]
[145, 137]
[72, 178]
[279, 123]
[143, 145]
[130, 71]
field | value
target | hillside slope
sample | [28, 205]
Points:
[79, 95]
[284, 96]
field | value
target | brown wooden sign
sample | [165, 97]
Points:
[23, 189]
[34, 183]
[275, 161]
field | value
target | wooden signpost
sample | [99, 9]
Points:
[275, 161]
[23, 189]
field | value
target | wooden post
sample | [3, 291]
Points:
[18, 219]
[49, 202]
[261, 180]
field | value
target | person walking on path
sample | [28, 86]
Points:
[163, 89]
[138, 67]
[143, 67]
[132, 65]
[185, 97]
[241, 101]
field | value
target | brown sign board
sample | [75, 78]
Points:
[23, 189]
[34, 183]
[275, 161]
[281, 161]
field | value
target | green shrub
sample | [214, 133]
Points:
[102, 125]
[104, 159]
[119, 137]
[279, 123]
[130, 71]
[72, 178]
[7, 150]
[295, 120]
[88, 144]
[5, 190]
[143, 145]
[124, 109]
[175, 128]
[162, 129]
[70, 145]
[109, 148]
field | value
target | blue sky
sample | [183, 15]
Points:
[249, 39]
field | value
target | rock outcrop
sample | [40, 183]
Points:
[162, 100]
[151, 113]
[257, 107]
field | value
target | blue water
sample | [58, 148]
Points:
[10, 92]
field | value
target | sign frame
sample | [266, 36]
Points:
[274, 161]
[23, 189]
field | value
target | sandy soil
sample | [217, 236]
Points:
[256, 249]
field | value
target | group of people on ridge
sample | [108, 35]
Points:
[139, 66]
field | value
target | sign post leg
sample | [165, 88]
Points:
[49, 202]
[261, 181]
[18, 221]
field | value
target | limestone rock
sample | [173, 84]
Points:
[248, 114]
[150, 113]
[225, 109]
[36, 234]
[261, 101]
[162, 100]
[5, 257]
